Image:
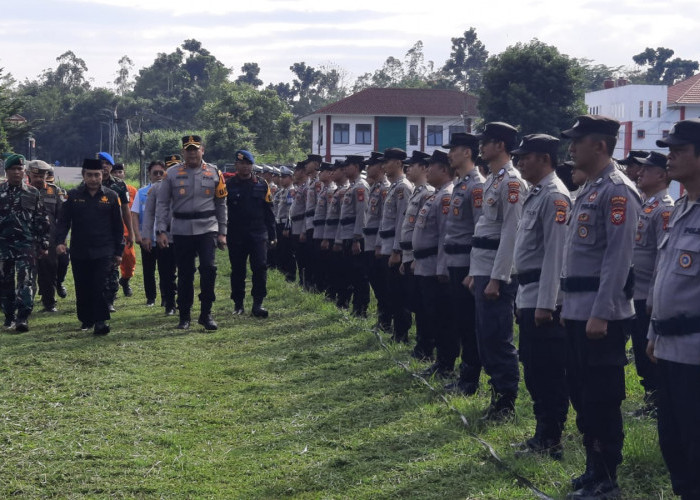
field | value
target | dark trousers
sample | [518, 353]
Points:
[398, 307]
[320, 257]
[285, 255]
[542, 352]
[435, 301]
[462, 330]
[339, 286]
[112, 283]
[187, 248]
[425, 342]
[164, 260]
[356, 276]
[645, 368]
[377, 281]
[17, 286]
[596, 378]
[678, 400]
[299, 250]
[240, 247]
[494, 335]
[62, 262]
[46, 268]
[311, 264]
[91, 294]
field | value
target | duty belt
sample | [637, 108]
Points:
[678, 325]
[205, 214]
[592, 283]
[406, 245]
[455, 248]
[297, 218]
[425, 252]
[347, 220]
[309, 213]
[486, 243]
[531, 276]
[388, 233]
[370, 230]
[332, 222]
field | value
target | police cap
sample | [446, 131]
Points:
[312, 157]
[462, 139]
[499, 131]
[285, 171]
[193, 141]
[393, 154]
[538, 143]
[654, 160]
[439, 157]
[634, 157]
[592, 124]
[682, 132]
[171, 160]
[417, 157]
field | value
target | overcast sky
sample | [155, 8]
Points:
[356, 35]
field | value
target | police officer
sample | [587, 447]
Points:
[297, 220]
[251, 228]
[350, 236]
[311, 165]
[674, 335]
[285, 196]
[323, 269]
[197, 193]
[633, 164]
[416, 167]
[538, 257]
[651, 230]
[491, 267]
[429, 260]
[93, 216]
[387, 247]
[464, 212]
[51, 199]
[24, 236]
[597, 306]
[337, 292]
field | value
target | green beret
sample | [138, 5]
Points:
[14, 159]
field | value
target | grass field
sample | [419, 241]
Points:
[306, 404]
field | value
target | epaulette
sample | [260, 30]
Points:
[616, 177]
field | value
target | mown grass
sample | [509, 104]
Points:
[305, 404]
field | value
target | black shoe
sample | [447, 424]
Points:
[537, 446]
[184, 324]
[207, 322]
[110, 308]
[237, 309]
[170, 311]
[101, 328]
[21, 326]
[502, 407]
[61, 291]
[150, 303]
[259, 311]
[605, 489]
[9, 322]
[124, 282]
[86, 326]
[49, 309]
[463, 388]
[419, 354]
[437, 370]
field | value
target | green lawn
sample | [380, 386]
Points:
[305, 404]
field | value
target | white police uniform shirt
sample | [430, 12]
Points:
[392, 215]
[429, 232]
[373, 213]
[465, 210]
[421, 193]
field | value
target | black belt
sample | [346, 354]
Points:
[388, 233]
[406, 245]
[347, 220]
[194, 215]
[455, 248]
[592, 283]
[319, 222]
[531, 276]
[485, 243]
[332, 222]
[425, 252]
[309, 213]
[283, 220]
[297, 218]
[370, 230]
[678, 325]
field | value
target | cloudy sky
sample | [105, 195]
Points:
[356, 35]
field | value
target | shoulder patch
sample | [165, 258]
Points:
[666, 217]
[477, 197]
[360, 194]
[618, 205]
[513, 192]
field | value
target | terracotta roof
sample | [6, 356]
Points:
[685, 92]
[403, 102]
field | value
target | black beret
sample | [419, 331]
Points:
[592, 124]
[462, 139]
[682, 132]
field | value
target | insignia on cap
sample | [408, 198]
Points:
[576, 124]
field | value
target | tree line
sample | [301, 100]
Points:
[531, 85]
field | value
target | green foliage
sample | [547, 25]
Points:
[534, 87]
[662, 70]
[464, 68]
[9, 105]
[594, 75]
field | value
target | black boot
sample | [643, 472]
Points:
[258, 310]
[61, 291]
[184, 323]
[502, 407]
[205, 318]
[124, 282]
[21, 325]
[468, 382]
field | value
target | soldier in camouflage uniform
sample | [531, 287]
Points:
[24, 236]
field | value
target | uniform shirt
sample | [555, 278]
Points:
[465, 210]
[651, 229]
[539, 242]
[249, 208]
[138, 206]
[333, 215]
[119, 187]
[373, 213]
[352, 211]
[392, 215]
[286, 197]
[297, 212]
[599, 244]
[24, 224]
[191, 191]
[52, 200]
[504, 192]
[429, 232]
[313, 189]
[677, 283]
[95, 222]
[420, 193]
[322, 201]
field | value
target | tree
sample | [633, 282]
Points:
[122, 81]
[662, 70]
[250, 72]
[9, 105]
[534, 87]
[69, 75]
[412, 72]
[594, 75]
[465, 66]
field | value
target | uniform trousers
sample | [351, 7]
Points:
[17, 296]
[164, 259]
[356, 277]
[62, 262]
[678, 417]
[339, 284]
[299, 250]
[542, 352]
[462, 331]
[240, 248]
[128, 263]
[377, 281]
[112, 283]
[46, 269]
[494, 335]
[398, 307]
[285, 254]
[91, 299]
[435, 300]
[187, 248]
[412, 299]
[322, 270]
[310, 264]
[645, 368]
[596, 378]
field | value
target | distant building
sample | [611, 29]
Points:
[378, 118]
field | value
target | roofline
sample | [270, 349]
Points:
[310, 117]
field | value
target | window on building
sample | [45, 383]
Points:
[649, 109]
[658, 109]
[434, 135]
[664, 134]
[455, 129]
[413, 135]
[641, 134]
[363, 134]
[641, 109]
[320, 135]
[341, 133]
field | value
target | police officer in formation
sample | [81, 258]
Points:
[251, 228]
[283, 201]
[323, 270]
[313, 187]
[337, 287]
[296, 223]
[192, 207]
